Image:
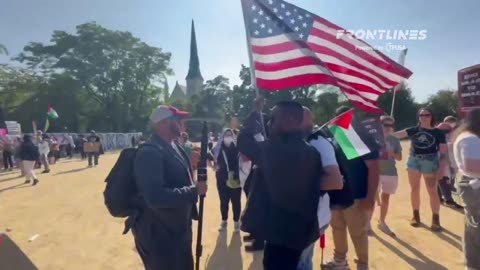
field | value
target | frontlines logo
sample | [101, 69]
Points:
[382, 34]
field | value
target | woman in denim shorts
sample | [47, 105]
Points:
[428, 159]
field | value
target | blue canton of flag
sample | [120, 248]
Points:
[268, 18]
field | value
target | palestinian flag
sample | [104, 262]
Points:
[352, 137]
[51, 112]
[47, 125]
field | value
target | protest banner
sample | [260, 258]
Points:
[469, 89]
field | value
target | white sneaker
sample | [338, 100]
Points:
[384, 228]
[236, 226]
[223, 226]
[336, 265]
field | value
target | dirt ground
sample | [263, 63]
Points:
[73, 229]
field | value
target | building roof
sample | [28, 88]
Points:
[179, 91]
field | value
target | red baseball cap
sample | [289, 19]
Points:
[166, 111]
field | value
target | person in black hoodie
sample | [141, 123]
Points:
[283, 199]
[29, 155]
[228, 183]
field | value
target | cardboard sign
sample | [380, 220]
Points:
[374, 128]
[91, 147]
[469, 88]
[13, 128]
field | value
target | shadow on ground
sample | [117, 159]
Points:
[17, 186]
[12, 257]
[420, 261]
[71, 171]
[226, 256]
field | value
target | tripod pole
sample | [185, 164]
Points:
[201, 176]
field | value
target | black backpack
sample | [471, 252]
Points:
[120, 195]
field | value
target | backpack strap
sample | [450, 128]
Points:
[132, 219]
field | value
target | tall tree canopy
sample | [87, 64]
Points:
[122, 75]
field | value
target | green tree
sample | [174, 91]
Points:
[116, 70]
[443, 103]
[405, 110]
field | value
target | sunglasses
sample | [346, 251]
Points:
[425, 115]
[389, 125]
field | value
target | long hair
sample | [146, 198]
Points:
[471, 124]
[432, 117]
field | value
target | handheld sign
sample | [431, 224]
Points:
[374, 128]
[469, 89]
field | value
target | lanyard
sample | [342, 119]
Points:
[226, 160]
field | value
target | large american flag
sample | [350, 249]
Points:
[292, 47]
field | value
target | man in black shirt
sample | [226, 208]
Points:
[289, 185]
[351, 207]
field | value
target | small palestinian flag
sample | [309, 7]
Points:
[352, 137]
[47, 125]
[51, 112]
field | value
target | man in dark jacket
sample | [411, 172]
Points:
[282, 206]
[29, 155]
[163, 231]
[93, 155]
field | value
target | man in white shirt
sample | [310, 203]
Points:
[332, 180]
[44, 149]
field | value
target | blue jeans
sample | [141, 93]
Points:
[306, 259]
[427, 164]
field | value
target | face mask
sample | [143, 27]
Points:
[228, 141]
[452, 125]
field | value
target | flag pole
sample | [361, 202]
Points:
[401, 61]
[393, 101]
[253, 79]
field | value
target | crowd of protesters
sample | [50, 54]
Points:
[41, 150]
[299, 182]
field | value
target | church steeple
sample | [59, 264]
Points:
[194, 68]
[194, 76]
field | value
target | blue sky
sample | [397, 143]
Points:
[452, 39]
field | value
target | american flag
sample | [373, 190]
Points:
[292, 47]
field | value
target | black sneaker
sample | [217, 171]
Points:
[27, 182]
[35, 182]
[453, 204]
[255, 247]
[46, 171]
[248, 238]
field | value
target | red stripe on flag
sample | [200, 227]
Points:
[278, 66]
[279, 48]
[336, 27]
[360, 53]
[295, 81]
[324, 50]
[344, 70]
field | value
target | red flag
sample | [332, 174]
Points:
[322, 241]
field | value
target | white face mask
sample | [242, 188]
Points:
[228, 141]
